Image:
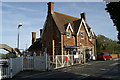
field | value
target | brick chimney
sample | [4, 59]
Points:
[50, 7]
[83, 15]
[33, 37]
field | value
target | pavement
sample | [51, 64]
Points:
[94, 70]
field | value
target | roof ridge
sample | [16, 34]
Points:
[67, 15]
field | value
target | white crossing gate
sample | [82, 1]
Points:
[28, 63]
[67, 60]
[41, 64]
[15, 65]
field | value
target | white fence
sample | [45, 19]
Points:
[67, 60]
[15, 65]
[4, 70]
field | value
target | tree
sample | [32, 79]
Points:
[113, 8]
[105, 44]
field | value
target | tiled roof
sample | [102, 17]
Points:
[62, 20]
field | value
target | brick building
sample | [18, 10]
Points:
[63, 33]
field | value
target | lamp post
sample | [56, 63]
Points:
[19, 25]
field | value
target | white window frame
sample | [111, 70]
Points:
[82, 36]
[68, 34]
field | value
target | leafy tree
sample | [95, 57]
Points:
[113, 8]
[105, 44]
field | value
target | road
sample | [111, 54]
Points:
[94, 70]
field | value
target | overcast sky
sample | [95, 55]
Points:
[33, 15]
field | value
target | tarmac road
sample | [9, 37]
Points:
[94, 70]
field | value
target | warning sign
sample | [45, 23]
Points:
[25, 59]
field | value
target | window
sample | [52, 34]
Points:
[68, 35]
[82, 35]
[90, 37]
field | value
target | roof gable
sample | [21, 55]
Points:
[82, 21]
[62, 19]
[69, 27]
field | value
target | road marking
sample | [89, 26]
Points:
[103, 69]
[114, 64]
[116, 59]
[85, 75]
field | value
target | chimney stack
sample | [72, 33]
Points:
[50, 7]
[83, 15]
[33, 37]
[41, 31]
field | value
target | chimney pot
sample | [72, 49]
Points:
[50, 7]
[41, 31]
[83, 15]
[33, 37]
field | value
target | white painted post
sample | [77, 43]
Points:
[62, 48]
[53, 46]
[46, 61]
[11, 68]
[45, 53]
[0, 73]
[56, 60]
[22, 62]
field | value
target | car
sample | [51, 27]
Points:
[104, 56]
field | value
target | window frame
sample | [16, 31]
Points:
[82, 36]
[68, 34]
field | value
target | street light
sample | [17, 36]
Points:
[19, 25]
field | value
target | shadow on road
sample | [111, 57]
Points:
[73, 73]
[54, 75]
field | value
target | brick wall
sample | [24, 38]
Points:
[115, 55]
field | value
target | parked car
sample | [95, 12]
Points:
[104, 56]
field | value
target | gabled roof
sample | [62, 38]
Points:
[62, 20]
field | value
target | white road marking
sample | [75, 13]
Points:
[103, 69]
[114, 64]
[116, 59]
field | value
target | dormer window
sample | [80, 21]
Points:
[91, 38]
[68, 35]
[82, 35]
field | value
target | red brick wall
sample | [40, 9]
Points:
[51, 33]
[69, 41]
[115, 55]
[85, 40]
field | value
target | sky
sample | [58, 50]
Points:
[33, 15]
